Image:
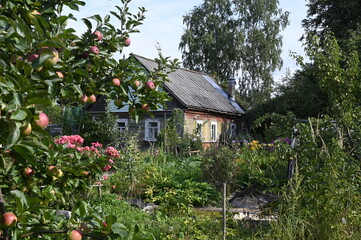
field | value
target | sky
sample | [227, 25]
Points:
[164, 25]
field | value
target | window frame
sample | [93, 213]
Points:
[213, 132]
[199, 130]
[147, 129]
[232, 130]
[125, 120]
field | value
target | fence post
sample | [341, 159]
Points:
[224, 208]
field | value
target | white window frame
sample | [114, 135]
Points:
[200, 129]
[233, 130]
[125, 121]
[213, 131]
[148, 129]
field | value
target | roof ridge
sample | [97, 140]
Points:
[182, 68]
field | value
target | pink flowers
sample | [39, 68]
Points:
[107, 167]
[112, 152]
[72, 140]
[96, 144]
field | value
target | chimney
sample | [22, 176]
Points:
[232, 88]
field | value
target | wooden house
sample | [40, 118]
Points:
[209, 112]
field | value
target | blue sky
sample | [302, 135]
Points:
[164, 25]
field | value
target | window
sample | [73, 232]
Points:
[233, 130]
[122, 124]
[213, 131]
[199, 128]
[152, 128]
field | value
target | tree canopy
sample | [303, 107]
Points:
[236, 38]
[336, 16]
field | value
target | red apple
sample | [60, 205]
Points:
[92, 99]
[60, 75]
[118, 102]
[84, 98]
[137, 83]
[145, 107]
[50, 62]
[85, 173]
[105, 224]
[43, 120]
[94, 49]
[54, 171]
[116, 82]
[98, 35]
[32, 57]
[26, 130]
[127, 42]
[85, 55]
[30, 15]
[132, 110]
[28, 172]
[74, 235]
[150, 85]
[8, 220]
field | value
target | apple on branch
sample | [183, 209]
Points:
[145, 107]
[92, 99]
[26, 130]
[150, 85]
[74, 235]
[8, 220]
[116, 82]
[50, 62]
[30, 15]
[28, 172]
[43, 120]
[127, 42]
[94, 49]
[98, 35]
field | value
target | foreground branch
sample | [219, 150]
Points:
[41, 232]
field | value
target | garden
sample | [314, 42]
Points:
[94, 182]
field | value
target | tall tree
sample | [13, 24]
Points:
[236, 38]
[337, 16]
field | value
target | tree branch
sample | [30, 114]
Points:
[41, 232]
[3, 210]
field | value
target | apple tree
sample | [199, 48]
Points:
[43, 62]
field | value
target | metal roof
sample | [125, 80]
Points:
[195, 90]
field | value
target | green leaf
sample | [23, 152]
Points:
[82, 72]
[21, 200]
[19, 115]
[87, 23]
[14, 134]
[80, 209]
[26, 152]
[3, 65]
[39, 101]
[120, 229]
[111, 219]
[2, 162]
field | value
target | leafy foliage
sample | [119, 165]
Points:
[43, 62]
[338, 17]
[224, 37]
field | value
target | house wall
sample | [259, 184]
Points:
[140, 127]
[222, 123]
